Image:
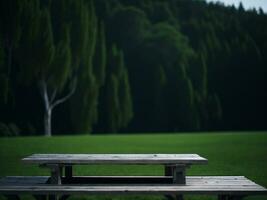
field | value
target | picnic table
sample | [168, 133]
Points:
[174, 184]
[174, 164]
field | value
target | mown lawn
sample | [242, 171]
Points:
[231, 153]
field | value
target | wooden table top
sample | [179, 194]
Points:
[115, 159]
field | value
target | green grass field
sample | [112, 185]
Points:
[228, 154]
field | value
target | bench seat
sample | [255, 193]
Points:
[10, 181]
[207, 185]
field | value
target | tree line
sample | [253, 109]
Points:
[96, 66]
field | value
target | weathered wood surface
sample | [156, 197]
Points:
[113, 180]
[228, 185]
[23, 180]
[167, 159]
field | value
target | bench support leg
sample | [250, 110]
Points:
[230, 197]
[178, 174]
[168, 172]
[56, 174]
[179, 178]
[68, 175]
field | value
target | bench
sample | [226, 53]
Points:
[225, 187]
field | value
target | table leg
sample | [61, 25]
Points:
[56, 174]
[68, 176]
[168, 172]
[178, 174]
[179, 178]
[171, 171]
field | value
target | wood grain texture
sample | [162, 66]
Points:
[232, 185]
[23, 180]
[118, 180]
[71, 159]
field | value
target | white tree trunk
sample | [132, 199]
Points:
[47, 122]
[50, 102]
[48, 110]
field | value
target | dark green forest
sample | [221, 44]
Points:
[110, 66]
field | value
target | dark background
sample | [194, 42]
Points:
[140, 66]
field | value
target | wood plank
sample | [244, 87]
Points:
[113, 180]
[115, 159]
[149, 189]
[150, 179]
[195, 186]
[23, 180]
[190, 180]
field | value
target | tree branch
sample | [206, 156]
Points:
[65, 98]
[53, 96]
[44, 94]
